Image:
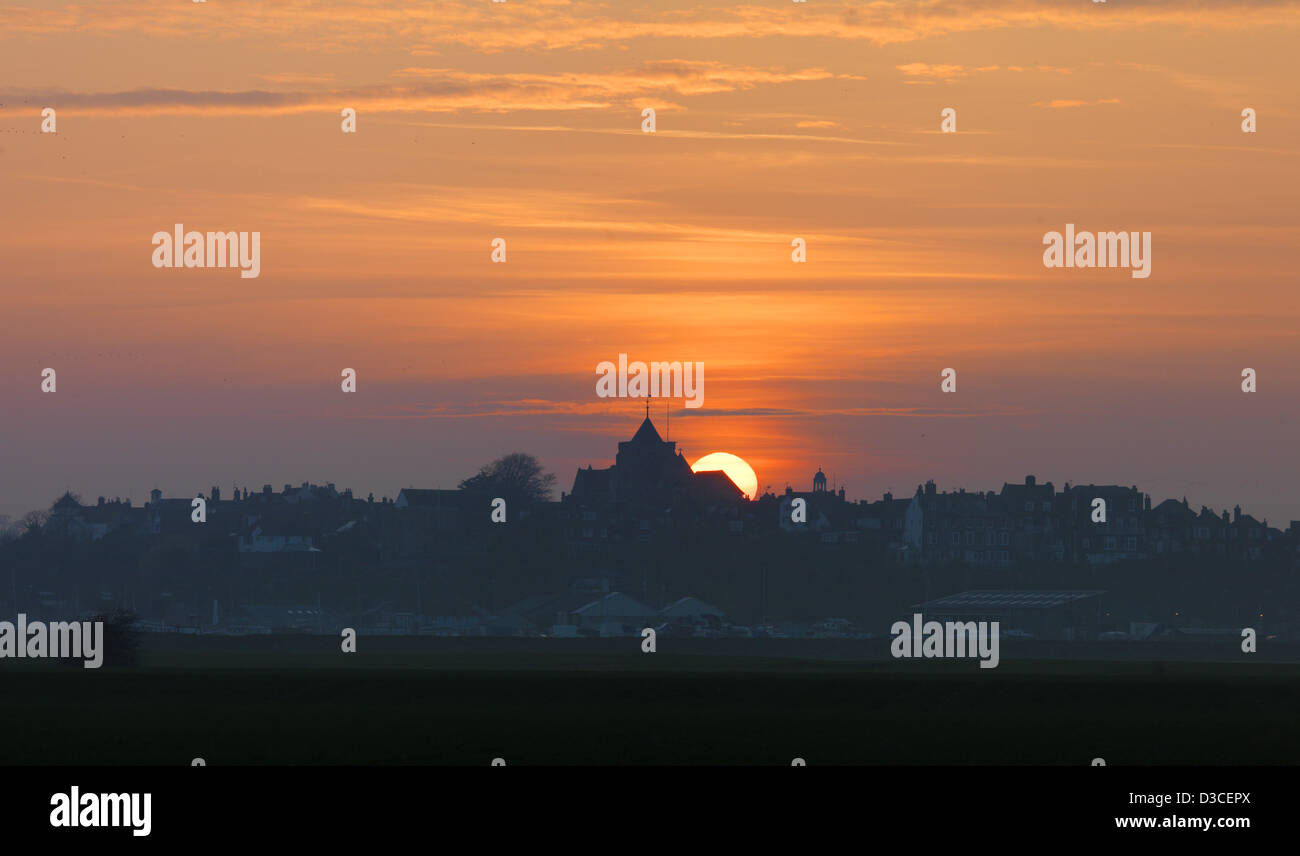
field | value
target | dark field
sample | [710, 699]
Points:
[295, 700]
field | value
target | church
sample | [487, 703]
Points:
[649, 470]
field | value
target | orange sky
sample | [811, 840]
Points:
[776, 120]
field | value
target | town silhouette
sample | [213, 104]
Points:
[646, 542]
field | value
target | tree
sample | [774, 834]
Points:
[517, 476]
[33, 522]
[120, 644]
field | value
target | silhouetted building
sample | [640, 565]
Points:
[649, 471]
[1067, 615]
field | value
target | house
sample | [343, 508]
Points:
[615, 614]
[692, 616]
[650, 471]
[690, 607]
[1066, 614]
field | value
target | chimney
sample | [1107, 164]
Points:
[1029, 481]
[1146, 502]
[1236, 514]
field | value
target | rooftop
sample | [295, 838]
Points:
[1006, 599]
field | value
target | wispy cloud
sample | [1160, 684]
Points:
[925, 72]
[447, 90]
[297, 78]
[1066, 103]
[545, 407]
[938, 72]
[342, 26]
[1224, 91]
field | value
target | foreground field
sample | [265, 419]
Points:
[428, 701]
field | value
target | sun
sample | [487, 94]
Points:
[735, 467]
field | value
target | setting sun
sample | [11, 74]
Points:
[735, 467]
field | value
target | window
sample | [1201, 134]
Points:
[1003, 539]
[956, 539]
[1110, 542]
[1130, 544]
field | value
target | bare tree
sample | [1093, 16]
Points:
[33, 522]
[516, 476]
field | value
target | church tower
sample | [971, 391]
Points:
[819, 482]
[649, 467]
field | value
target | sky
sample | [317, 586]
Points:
[774, 121]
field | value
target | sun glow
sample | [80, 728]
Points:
[735, 467]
